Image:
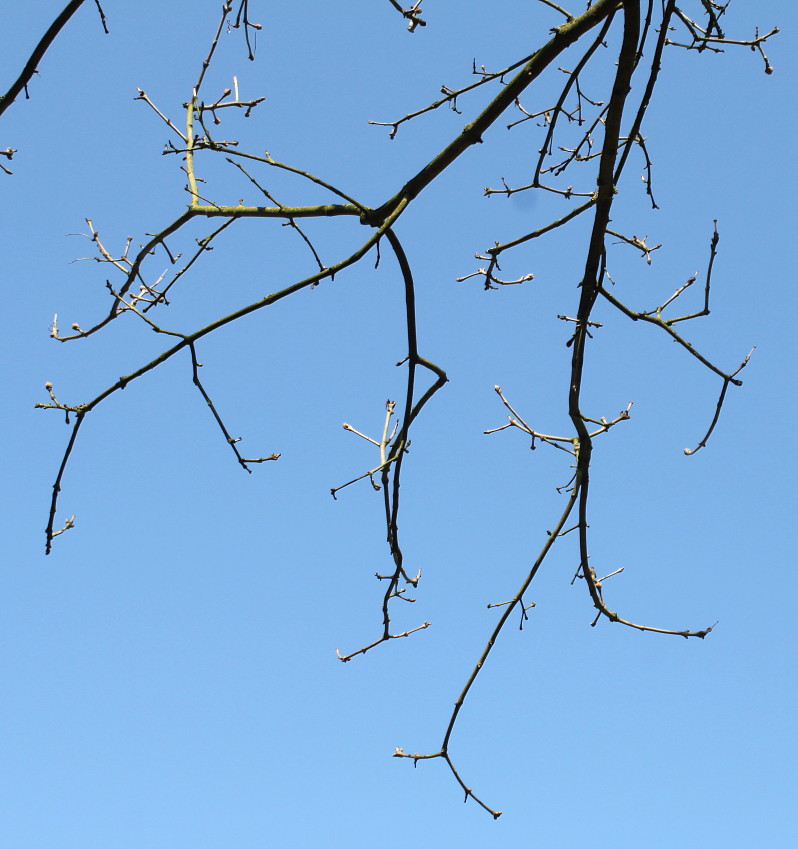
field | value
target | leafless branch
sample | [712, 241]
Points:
[599, 134]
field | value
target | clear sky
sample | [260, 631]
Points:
[169, 676]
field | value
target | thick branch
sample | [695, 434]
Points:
[564, 36]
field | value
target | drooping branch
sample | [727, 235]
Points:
[605, 194]
[392, 452]
[507, 612]
[726, 381]
[231, 441]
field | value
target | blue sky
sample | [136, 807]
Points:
[169, 672]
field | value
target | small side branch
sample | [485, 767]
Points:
[143, 96]
[50, 533]
[726, 382]
[492, 254]
[290, 223]
[596, 593]
[231, 441]
[703, 39]
[348, 657]
[242, 18]
[386, 458]
[638, 242]
[515, 420]
[666, 326]
[568, 16]
[450, 96]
